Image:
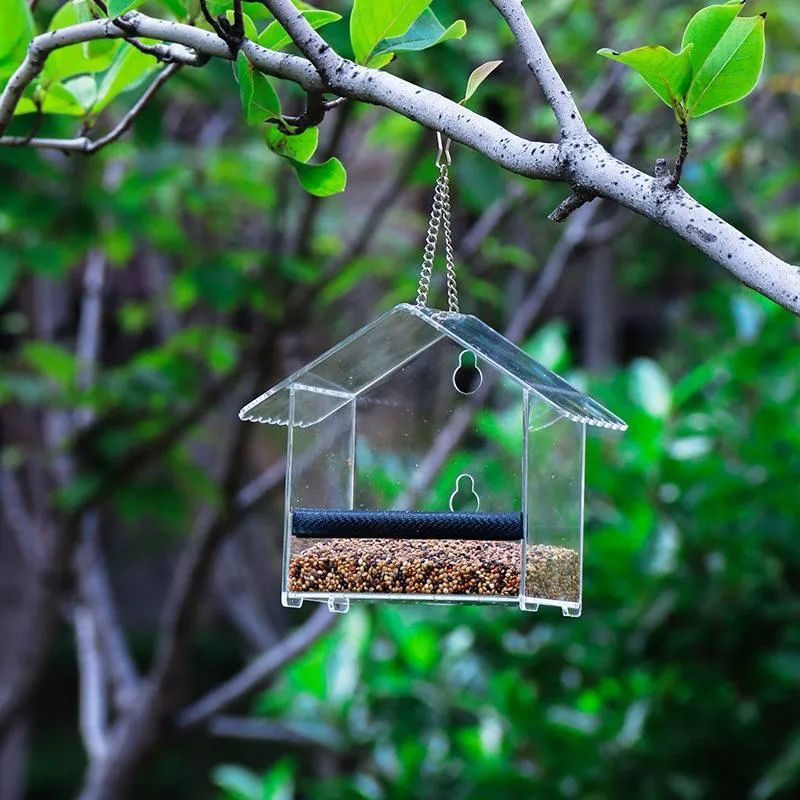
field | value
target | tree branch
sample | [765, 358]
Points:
[259, 671]
[578, 160]
[261, 730]
[682, 153]
[325, 59]
[93, 709]
[555, 91]
[87, 146]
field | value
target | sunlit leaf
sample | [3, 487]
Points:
[782, 773]
[323, 179]
[53, 98]
[274, 37]
[650, 387]
[478, 76]
[668, 74]
[300, 147]
[260, 101]
[16, 31]
[84, 89]
[237, 782]
[727, 57]
[86, 11]
[371, 22]
[116, 8]
[279, 782]
[426, 31]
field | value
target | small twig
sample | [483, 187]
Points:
[489, 221]
[210, 20]
[312, 116]
[259, 671]
[262, 730]
[231, 33]
[87, 146]
[569, 204]
[331, 104]
[682, 153]
[102, 6]
[235, 589]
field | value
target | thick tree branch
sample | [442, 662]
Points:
[582, 162]
[325, 59]
[578, 160]
[555, 91]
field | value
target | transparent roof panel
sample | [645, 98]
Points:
[385, 345]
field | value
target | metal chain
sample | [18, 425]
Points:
[440, 217]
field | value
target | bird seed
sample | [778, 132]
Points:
[388, 566]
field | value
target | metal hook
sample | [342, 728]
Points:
[444, 150]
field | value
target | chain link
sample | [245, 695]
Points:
[440, 218]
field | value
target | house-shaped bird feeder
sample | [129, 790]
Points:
[380, 502]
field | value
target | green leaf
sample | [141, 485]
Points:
[259, 100]
[54, 98]
[727, 56]
[371, 22]
[238, 783]
[426, 31]
[478, 76]
[321, 180]
[116, 8]
[86, 11]
[668, 75]
[299, 148]
[250, 30]
[279, 782]
[73, 60]
[16, 32]
[129, 69]
[50, 360]
[84, 90]
[274, 37]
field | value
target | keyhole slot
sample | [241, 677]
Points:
[465, 498]
[467, 378]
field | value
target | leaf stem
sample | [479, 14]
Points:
[682, 153]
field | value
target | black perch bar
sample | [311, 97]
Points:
[334, 523]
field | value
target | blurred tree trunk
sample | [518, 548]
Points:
[599, 310]
[13, 757]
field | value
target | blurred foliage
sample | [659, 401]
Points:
[682, 677]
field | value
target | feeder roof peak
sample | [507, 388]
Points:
[362, 360]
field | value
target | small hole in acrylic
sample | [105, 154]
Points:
[467, 377]
[464, 497]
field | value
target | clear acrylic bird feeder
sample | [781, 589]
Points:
[381, 505]
[375, 508]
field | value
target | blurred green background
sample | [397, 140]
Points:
[682, 677]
